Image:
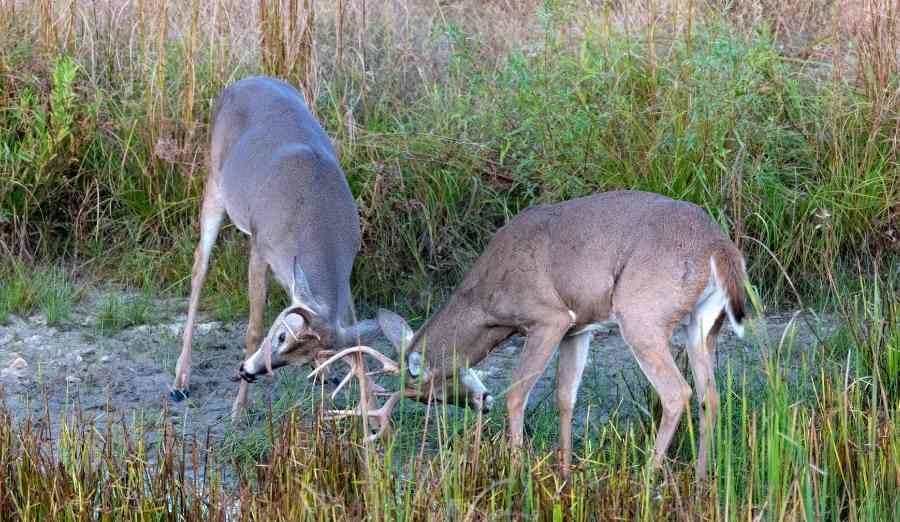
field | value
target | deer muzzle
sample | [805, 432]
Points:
[476, 393]
[257, 364]
[245, 375]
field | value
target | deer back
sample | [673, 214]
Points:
[278, 176]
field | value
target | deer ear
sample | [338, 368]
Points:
[360, 332]
[308, 317]
[301, 295]
[395, 329]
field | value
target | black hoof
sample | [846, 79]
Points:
[177, 395]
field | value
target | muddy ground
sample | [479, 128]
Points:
[78, 366]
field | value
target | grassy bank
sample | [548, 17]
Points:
[446, 128]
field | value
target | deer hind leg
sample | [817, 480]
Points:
[540, 344]
[650, 346]
[257, 288]
[706, 319]
[211, 214]
[573, 356]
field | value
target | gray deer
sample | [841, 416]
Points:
[274, 171]
[556, 273]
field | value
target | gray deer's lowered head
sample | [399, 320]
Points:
[302, 331]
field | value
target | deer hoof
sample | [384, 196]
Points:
[176, 395]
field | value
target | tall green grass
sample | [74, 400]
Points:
[443, 132]
[26, 290]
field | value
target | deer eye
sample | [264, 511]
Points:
[281, 338]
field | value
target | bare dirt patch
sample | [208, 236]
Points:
[77, 367]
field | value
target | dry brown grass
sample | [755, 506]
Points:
[308, 38]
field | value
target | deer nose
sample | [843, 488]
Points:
[487, 402]
[245, 375]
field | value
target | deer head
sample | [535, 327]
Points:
[301, 333]
[460, 385]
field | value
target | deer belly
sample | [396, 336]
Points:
[239, 217]
[237, 199]
[590, 327]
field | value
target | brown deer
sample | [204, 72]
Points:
[274, 171]
[555, 273]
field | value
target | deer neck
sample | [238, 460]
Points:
[459, 335]
[329, 290]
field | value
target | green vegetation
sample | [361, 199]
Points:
[449, 119]
[46, 290]
[102, 153]
[117, 313]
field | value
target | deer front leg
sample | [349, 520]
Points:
[257, 286]
[573, 355]
[542, 340]
[211, 215]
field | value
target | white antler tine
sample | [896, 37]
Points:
[383, 414]
[351, 362]
[343, 383]
[331, 360]
[387, 364]
[340, 414]
[376, 389]
[323, 355]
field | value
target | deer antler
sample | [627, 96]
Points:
[354, 368]
[388, 365]
[383, 414]
[368, 388]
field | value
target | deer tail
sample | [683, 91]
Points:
[730, 274]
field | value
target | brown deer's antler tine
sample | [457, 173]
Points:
[383, 414]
